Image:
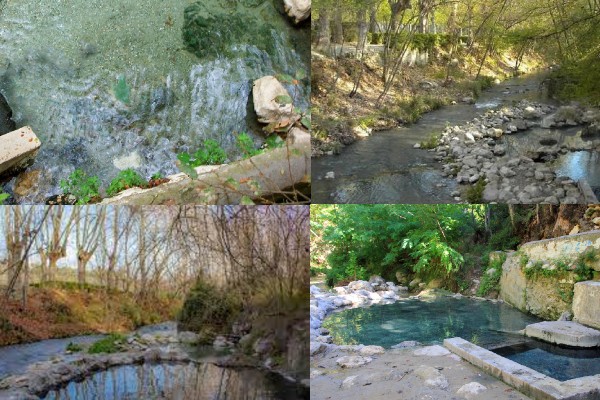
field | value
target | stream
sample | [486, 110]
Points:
[385, 168]
[15, 359]
[111, 85]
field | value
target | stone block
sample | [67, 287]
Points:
[18, 150]
[586, 303]
[566, 333]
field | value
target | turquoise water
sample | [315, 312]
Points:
[557, 362]
[108, 85]
[178, 382]
[428, 322]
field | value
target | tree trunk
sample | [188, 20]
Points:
[338, 29]
[323, 36]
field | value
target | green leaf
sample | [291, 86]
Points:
[300, 74]
[246, 201]
[306, 122]
[285, 78]
[3, 197]
[283, 99]
[187, 169]
[122, 90]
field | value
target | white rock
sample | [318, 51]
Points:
[371, 350]
[264, 92]
[299, 10]
[435, 350]
[353, 361]
[471, 390]
[432, 377]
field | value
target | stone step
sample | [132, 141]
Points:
[566, 333]
[17, 150]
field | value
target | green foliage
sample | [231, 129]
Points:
[157, 176]
[490, 282]
[113, 343]
[210, 153]
[122, 90]
[246, 145]
[208, 310]
[74, 347]
[82, 186]
[3, 197]
[474, 193]
[126, 179]
[431, 143]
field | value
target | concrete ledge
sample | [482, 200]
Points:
[567, 333]
[17, 150]
[585, 303]
[588, 194]
[522, 378]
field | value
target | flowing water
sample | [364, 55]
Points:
[179, 382]
[428, 322]
[385, 168]
[108, 85]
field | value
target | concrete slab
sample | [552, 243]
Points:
[17, 150]
[586, 303]
[524, 379]
[567, 333]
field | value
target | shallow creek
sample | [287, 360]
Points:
[108, 85]
[385, 168]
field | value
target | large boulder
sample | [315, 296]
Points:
[360, 285]
[298, 10]
[264, 92]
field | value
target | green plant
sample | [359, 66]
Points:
[110, 344]
[246, 145]
[431, 143]
[523, 260]
[74, 347]
[474, 193]
[122, 90]
[209, 153]
[126, 179]
[274, 141]
[82, 186]
[157, 176]
[491, 281]
[3, 197]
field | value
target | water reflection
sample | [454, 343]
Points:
[177, 382]
[430, 322]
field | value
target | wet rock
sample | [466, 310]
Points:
[27, 182]
[353, 361]
[6, 122]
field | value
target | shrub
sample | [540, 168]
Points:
[3, 197]
[208, 310]
[490, 282]
[431, 143]
[110, 344]
[474, 193]
[126, 179]
[82, 186]
[209, 153]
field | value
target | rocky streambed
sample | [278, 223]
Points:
[526, 153]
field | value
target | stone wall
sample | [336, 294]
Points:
[548, 297]
[586, 303]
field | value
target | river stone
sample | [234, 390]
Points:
[471, 390]
[433, 351]
[353, 361]
[432, 377]
[371, 350]
[316, 348]
[360, 285]
[406, 344]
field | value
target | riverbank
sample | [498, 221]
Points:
[60, 310]
[339, 119]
